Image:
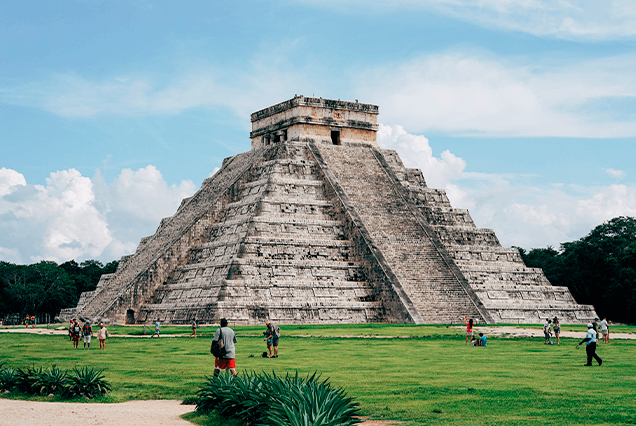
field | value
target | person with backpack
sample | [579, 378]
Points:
[274, 334]
[87, 331]
[223, 349]
[76, 330]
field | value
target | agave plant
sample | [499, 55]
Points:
[87, 382]
[208, 395]
[52, 380]
[8, 378]
[27, 379]
[310, 402]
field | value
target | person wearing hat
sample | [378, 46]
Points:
[590, 345]
[102, 334]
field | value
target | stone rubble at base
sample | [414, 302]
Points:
[316, 224]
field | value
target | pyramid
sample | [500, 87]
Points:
[317, 224]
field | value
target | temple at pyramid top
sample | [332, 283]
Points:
[303, 119]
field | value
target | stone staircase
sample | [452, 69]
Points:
[510, 291]
[424, 272]
[278, 252]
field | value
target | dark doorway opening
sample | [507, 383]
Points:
[130, 316]
[335, 137]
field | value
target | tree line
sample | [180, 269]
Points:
[599, 269]
[46, 287]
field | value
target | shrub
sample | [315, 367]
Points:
[275, 401]
[27, 379]
[87, 382]
[53, 381]
[8, 378]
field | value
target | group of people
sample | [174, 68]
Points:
[550, 326]
[30, 320]
[86, 331]
[226, 337]
[479, 341]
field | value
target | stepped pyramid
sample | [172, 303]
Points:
[317, 224]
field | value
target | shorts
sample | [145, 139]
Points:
[224, 364]
[469, 334]
[546, 335]
[274, 341]
[606, 331]
[75, 338]
[87, 339]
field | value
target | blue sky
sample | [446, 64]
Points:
[112, 112]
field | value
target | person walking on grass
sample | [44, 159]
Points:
[70, 330]
[225, 337]
[102, 334]
[605, 330]
[194, 329]
[87, 331]
[27, 320]
[590, 346]
[33, 321]
[557, 329]
[469, 329]
[157, 326]
[547, 332]
[76, 334]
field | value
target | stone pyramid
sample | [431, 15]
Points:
[316, 224]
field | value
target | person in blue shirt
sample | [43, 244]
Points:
[482, 340]
[590, 345]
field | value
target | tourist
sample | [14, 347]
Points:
[547, 332]
[70, 330]
[194, 329]
[227, 362]
[27, 320]
[102, 334]
[482, 340]
[274, 334]
[590, 345]
[473, 342]
[557, 329]
[87, 331]
[605, 330]
[268, 340]
[469, 329]
[595, 325]
[157, 326]
[76, 334]
[33, 321]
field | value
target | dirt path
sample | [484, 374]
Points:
[137, 413]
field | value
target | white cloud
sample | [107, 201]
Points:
[415, 151]
[478, 94]
[562, 19]
[74, 217]
[619, 174]
[566, 19]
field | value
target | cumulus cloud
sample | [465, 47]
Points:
[415, 151]
[479, 94]
[76, 217]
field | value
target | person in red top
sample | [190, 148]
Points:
[469, 329]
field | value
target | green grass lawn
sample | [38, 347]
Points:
[430, 379]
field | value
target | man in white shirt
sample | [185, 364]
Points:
[547, 332]
[590, 346]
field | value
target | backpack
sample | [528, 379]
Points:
[87, 330]
[218, 347]
[276, 330]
